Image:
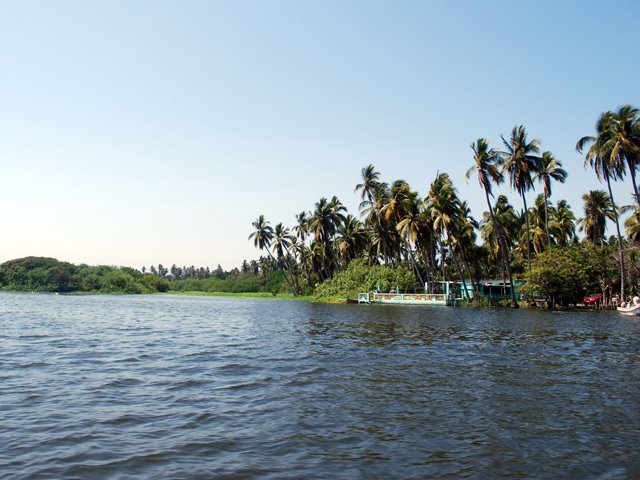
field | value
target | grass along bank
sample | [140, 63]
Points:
[262, 295]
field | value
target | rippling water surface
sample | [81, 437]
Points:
[193, 387]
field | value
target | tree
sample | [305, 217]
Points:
[599, 157]
[623, 141]
[370, 182]
[444, 204]
[520, 163]
[486, 165]
[597, 209]
[563, 224]
[262, 237]
[352, 239]
[548, 168]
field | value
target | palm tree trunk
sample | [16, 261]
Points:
[526, 218]
[457, 265]
[503, 250]
[413, 261]
[291, 286]
[620, 250]
[546, 219]
[632, 173]
[474, 284]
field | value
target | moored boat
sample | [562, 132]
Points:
[631, 311]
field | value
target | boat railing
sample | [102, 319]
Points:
[403, 297]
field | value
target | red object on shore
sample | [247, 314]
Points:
[593, 299]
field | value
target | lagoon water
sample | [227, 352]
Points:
[201, 387]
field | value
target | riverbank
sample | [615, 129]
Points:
[261, 295]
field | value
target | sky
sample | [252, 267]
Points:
[144, 132]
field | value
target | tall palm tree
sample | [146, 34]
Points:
[410, 227]
[520, 162]
[486, 162]
[599, 158]
[262, 236]
[538, 223]
[563, 224]
[632, 224]
[370, 181]
[444, 204]
[597, 209]
[548, 168]
[302, 225]
[352, 238]
[623, 141]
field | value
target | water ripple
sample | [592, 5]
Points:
[172, 387]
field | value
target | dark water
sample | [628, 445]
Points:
[170, 387]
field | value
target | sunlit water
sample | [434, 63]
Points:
[175, 387]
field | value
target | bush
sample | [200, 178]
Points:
[362, 277]
[565, 275]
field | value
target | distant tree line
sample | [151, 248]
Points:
[42, 274]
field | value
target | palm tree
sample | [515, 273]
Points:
[262, 235]
[352, 238]
[486, 161]
[538, 223]
[444, 204]
[370, 181]
[548, 168]
[520, 163]
[597, 209]
[302, 225]
[599, 157]
[563, 224]
[623, 141]
[632, 224]
[410, 228]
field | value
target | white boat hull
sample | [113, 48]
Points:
[632, 311]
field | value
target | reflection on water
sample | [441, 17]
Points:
[172, 387]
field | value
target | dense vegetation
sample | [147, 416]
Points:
[435, 237]
[40, 274]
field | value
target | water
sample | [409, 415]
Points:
[175, 387]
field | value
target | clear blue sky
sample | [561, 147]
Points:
[139, 132]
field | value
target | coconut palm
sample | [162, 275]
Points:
[548, 168]
[444, 204]
[370, 181]
[520, 163]
[598, 157]
[597, 209]
[352, 238]
[486, 162]
[632, 224]
[538, 224]
[302, 225]
[410, 228]
[563, 224]
[263, 235]
[623, 141]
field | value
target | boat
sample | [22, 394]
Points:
[406, 298]
[442, 293]
[631, 311]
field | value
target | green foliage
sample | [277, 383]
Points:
[40, 274]
[567, 274]
[235, 283]
[361, 277]
[276, 283]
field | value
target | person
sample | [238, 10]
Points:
[623, 304]
[636, 300]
